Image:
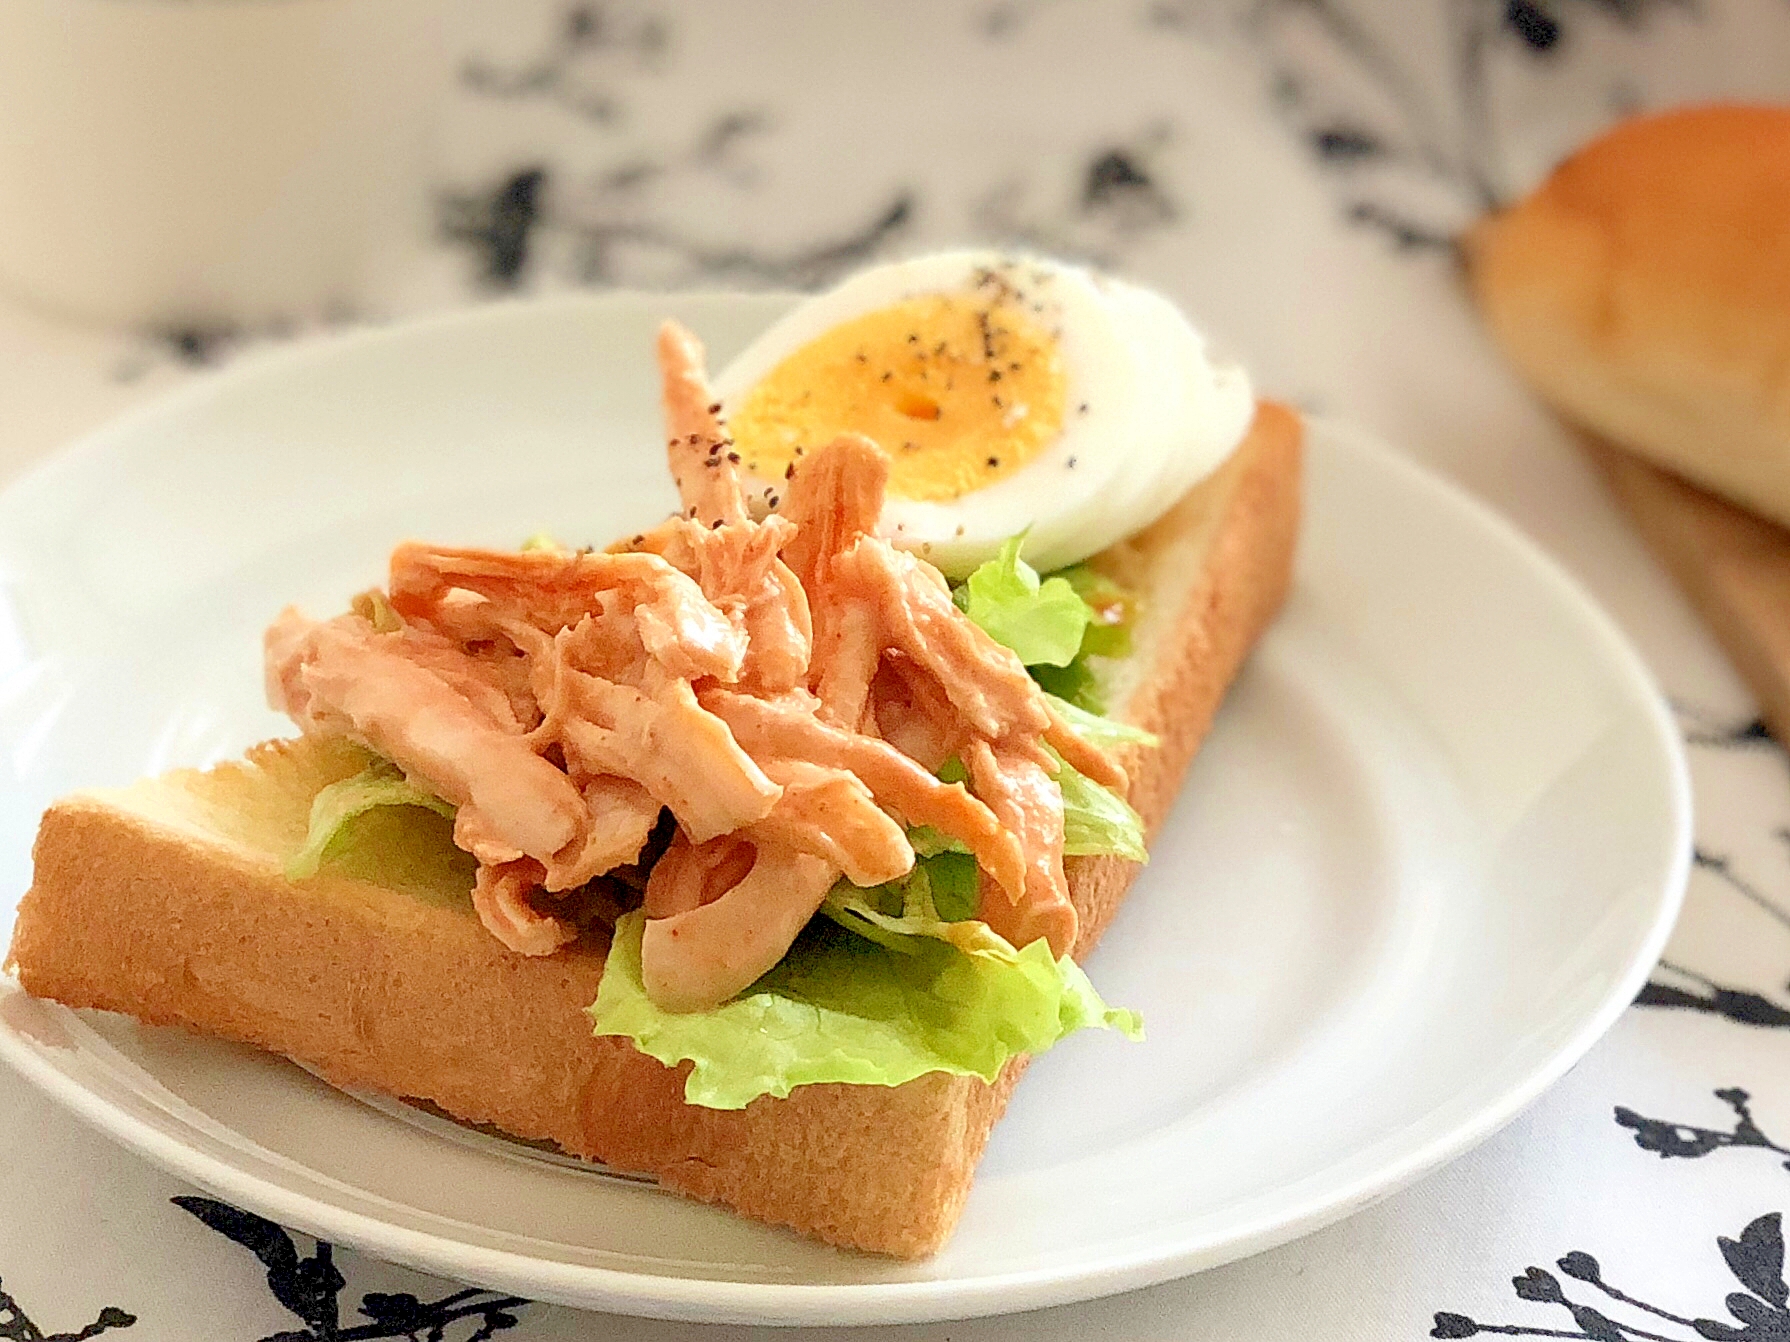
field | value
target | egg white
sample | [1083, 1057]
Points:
[1160, 414]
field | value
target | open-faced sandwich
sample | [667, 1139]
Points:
[757, 850]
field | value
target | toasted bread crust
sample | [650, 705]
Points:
[377, 989]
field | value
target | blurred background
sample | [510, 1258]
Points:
[187, 178]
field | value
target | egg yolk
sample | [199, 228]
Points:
[960, 390]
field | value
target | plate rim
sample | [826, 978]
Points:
[816, 1304]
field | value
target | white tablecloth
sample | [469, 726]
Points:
[1289, 170]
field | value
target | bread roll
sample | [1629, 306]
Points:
[1644, 291]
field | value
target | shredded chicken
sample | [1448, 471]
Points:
[1029, 805]
[673, 620]
[344, 677]
[701, 956]
[829, 813]
[738, 568]
[896, 781]
[698, 448]
[787, 688]
[674, 748]
[984, 681]
[913, 715]
[501, 897]
[619, 818]
[689, 875]
[834, 502]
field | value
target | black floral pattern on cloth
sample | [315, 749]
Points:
[1702, 728]
[498, 224]
[574, 69]
[605, 226]
[1755, 1258]
[1675, 985]
[1759, 1310]
[310, 1287]
[1671, 1140]
[1116, 197]
[1698, 992]
[603, 222]
[502, 223]
[1414, 162]
[18, 1326]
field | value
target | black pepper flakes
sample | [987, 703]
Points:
[993, 462]
[1082, 409]
[789, 471]
[734, 457]
[715, 409]
[1071, 463]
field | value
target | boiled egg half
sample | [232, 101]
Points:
[1012, 394]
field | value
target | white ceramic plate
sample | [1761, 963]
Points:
[1437, 837]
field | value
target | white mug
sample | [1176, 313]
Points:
[211, 161]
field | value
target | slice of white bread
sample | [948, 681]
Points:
[1644, 291]
[166, 900]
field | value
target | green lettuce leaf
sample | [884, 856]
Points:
[841, 1007]
[929, 842]
[938, 898]
[336, 808]
[1055, 624]
[1112, 611]
[1043, 622]
[1076, 683]
[1096, 820]
[1097, 730]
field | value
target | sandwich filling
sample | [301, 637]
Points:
[717, 730]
